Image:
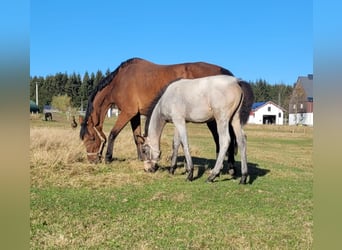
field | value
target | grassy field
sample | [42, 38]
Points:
[76, 205]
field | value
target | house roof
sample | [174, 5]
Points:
[307, 83]
[258, 105]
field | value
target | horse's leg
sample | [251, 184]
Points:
[181, 128]
[121, 122]
[231, 149]
[175, 147]
[241, 141]
[224, 138]
[213, 129]
[136, 128]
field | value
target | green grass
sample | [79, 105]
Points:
[118, 206]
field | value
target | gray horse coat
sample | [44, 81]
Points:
[198, 101]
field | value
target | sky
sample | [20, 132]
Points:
[265, 39]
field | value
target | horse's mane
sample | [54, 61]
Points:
[153, 105]
[104, 82]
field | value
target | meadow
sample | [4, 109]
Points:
[77, 205]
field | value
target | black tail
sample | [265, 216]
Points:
[247, 102]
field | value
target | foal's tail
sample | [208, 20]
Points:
[247, 102]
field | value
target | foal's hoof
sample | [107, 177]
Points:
[151, 169]
[212, 177]
[172, 170]
[243, 180]
[190, 176]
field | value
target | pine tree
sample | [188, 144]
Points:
[98, 78]
[84, 90]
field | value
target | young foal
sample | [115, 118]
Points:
[196, 100]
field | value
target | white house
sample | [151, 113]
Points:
[113, 111]
[266, 113]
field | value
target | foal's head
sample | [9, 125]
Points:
[150, 155]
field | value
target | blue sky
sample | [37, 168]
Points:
[272, 40]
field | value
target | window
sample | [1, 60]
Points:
[301, 105]
[279, 115]
[269, 109]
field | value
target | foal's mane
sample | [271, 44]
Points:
[154, 103]
[104, 82]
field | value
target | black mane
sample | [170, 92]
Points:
[104, 82]
[154, 103]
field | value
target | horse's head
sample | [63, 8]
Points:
[150, 155]
[93, 142]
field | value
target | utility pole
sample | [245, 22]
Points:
[37, 93]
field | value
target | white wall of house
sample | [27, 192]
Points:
[303, 118]
[264, 113]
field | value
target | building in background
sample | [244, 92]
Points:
[301, 102]
[266, 113]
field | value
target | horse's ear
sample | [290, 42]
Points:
[140, 139]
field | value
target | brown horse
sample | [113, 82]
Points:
[48, 116]
[132, 86]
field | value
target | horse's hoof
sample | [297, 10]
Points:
[209, 180]
[110, 159]
[243, 180]
[152, 169]
[231, 171]
[190, 175]
[212, 177]
[172, 170]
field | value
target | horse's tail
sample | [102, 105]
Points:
[247, 102]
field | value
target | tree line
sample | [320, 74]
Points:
[78, 88]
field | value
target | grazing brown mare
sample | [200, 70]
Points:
[132, 86]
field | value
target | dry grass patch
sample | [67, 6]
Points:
[58, 158]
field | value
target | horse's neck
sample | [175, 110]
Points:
[100, 107]
[155, 128]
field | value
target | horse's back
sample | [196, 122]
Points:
[204, 86]
[142, 80]
[199, 100]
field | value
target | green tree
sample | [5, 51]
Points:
[61, 102]
[98, 78]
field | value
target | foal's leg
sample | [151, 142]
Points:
[224, 136]
[136, 128]
[232, 145]
[241, 140]
[175, 147]
[181, 128]
[121, 122]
